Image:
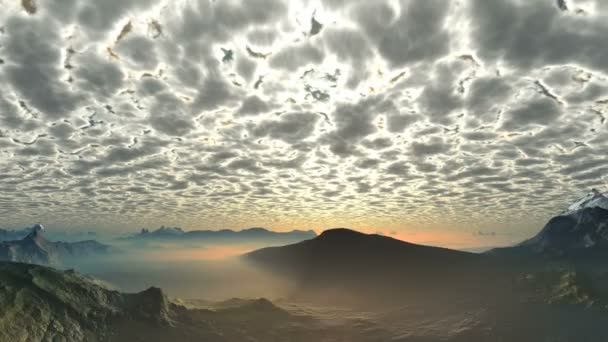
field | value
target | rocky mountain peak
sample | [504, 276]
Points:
[594, 199]
[583, 226]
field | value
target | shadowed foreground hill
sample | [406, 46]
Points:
[340, 261]
[40, 303]
[433, 294]
[43, 304]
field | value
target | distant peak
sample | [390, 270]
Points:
[153, 291]
[35, 235]
[256, 229]
[170, 230]
[335, 232]
[594, 199]
[581, 226]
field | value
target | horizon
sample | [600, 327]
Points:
[484, 240]
[391, 235]
[304, 170]
[301, 115]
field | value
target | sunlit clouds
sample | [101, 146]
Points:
[445, 118]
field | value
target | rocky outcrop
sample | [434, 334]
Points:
[35, 249]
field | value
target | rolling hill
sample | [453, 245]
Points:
[43, 304]
[343, 265]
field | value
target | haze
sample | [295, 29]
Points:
[460, 123]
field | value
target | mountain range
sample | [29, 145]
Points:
[579, 231]
[57, 235]
[35, 249]
[176, 234]
[583, 226]
[552, 287]
[342, 265]
[43, 304]
[340, 257]
[12, 234]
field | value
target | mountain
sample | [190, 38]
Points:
[358, 262]
[343, 265]
[43, 304]
[594, 199]
[63, 235]
[10, 235]
[35, 249]
[579, 230]
[433, 294]
[222, 236]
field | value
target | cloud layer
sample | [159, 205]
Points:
[472, 115]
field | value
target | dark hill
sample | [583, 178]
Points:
[42, 304]
[348, 264]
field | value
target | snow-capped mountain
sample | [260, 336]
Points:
[35, 249]
[11, 235]
[582, 226]
[594, 199]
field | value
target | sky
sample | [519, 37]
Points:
[455, 123]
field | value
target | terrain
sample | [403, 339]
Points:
[344, 266]
[344, 286]
[578, 233]
[44, 304]
[224, 236]
[551, 287]
[12, 234]
[36, 249]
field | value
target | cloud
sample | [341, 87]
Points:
[353, 123]
[252, 105]
[484, 234]
[290, 128]
[128, 111]
[432, 147]
[168, 115]
[536, 33]
[398, 122]
[294, 57]
[535, 112]
[97, 76]
[486, 97]
[99, 17]
[416, 34]
[33, 60]
[350, 46]
[214, 92]
[139, 51]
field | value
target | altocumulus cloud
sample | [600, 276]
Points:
[329, 112]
